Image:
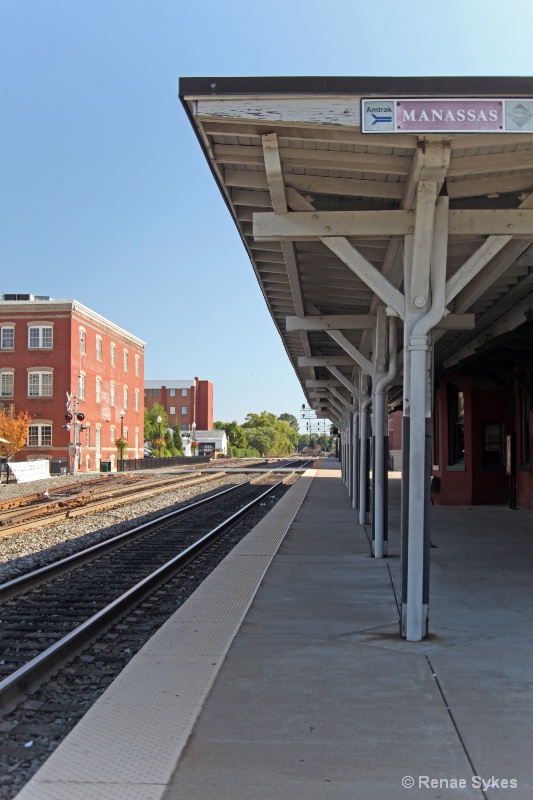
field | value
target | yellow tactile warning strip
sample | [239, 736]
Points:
[127, 746]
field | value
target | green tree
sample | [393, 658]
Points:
[291, 419]
[234, 432]
[151, 426]
[262, 439]
[178, 441]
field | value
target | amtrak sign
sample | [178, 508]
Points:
[447, 115]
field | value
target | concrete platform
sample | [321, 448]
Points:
[308, 692]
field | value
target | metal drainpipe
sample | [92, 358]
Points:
[379, 456]
[419, 345]
[355, 426]
[363, 467]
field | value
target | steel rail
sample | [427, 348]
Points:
[42, 665]
[30, 579]
[100, 504]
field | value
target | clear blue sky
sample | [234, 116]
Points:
[105, 195]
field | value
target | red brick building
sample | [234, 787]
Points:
[185, 402]
[53, 348]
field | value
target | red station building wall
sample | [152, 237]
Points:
[480, 475]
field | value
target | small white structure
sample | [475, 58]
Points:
[209, 442]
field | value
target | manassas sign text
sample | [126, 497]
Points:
[447, 115]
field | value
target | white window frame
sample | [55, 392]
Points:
[4, 374]
[99, 348]
[172, 410]
[83, 341]
[112, 434]
[40, 383]
[125, 395]
[112, 395]
[184, 392]
[81, 386]
[43, 435]
[98, 390]
[137, 366]
[7, 328]
[126, 361]
[113, 354]
[41, 337]
[137, 400]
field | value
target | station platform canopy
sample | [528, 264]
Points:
[330, 180]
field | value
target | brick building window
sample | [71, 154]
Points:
[7, 382]
[172, 410]
[113, 355]
[137, 400]
[83, 342]
[98, 390]
[112, 395]
[40, 384]
[126, 360]
[98, 348]
[39, 435]
[7, 341]
[81, 387]
[184, 392]
[172, 392]
[184, 409]
[126, 395]
[40, 337]
[183, 426]
[155, 392]
[137, 366]
[112, 436]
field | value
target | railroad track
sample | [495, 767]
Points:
[31, 511]
[53, 612]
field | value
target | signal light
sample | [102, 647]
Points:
[80, 417]
[68, 417]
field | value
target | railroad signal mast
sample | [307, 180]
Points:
[74, 420]
[312, 422]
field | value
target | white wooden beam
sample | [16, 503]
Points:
[352, 351]
[307, 226]
[343, 379]
[319, 384]
[353, 322]
[302, 226]
[366, 272]
[326, 361]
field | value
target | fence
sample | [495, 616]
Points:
[130, 464]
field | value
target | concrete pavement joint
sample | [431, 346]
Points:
[452, 718]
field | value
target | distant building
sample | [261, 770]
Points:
[53, 348]
[208, 442]
[186, 402]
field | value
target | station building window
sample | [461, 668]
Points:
[83, 342]
[155, 392]
[184, 392]
[525, 432]
[98, 348]
[172, 392]
[113, 355]
[492, 456]
[112, 394]
[137, 366]
[172, 410]
[98, 390]
[184, 409]
[456, 424]
[81, 386]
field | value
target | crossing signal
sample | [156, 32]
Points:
[68, 417]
